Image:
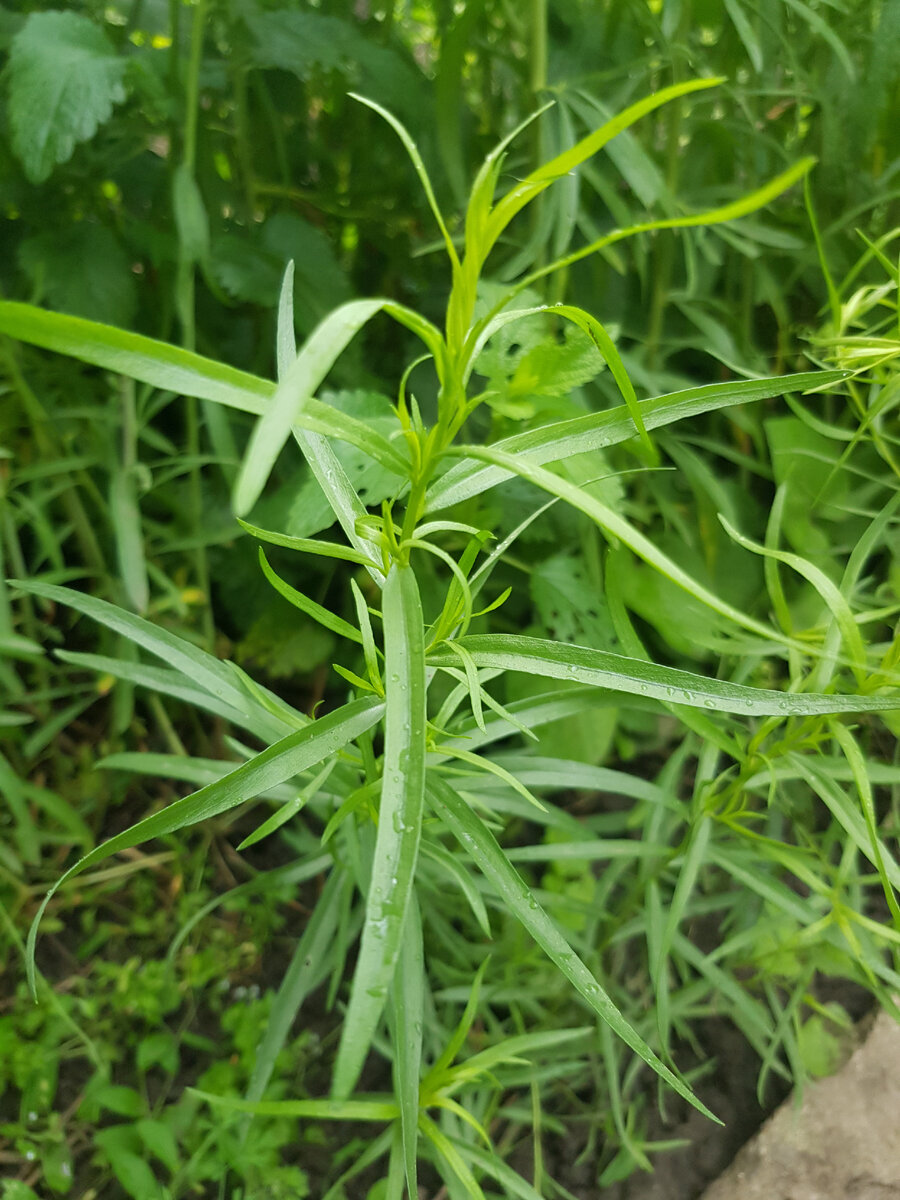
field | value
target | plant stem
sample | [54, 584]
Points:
[185, 304]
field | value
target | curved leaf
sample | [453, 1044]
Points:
[286, 758]
[482, 846]
[562, 439]
[157, 363]
[600, 668]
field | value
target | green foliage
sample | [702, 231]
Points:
[64, 79]
[610, 606]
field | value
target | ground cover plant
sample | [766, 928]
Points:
[714, 864]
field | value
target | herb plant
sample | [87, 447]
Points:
[406, 774]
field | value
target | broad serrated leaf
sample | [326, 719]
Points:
[306, 43]
[249, 265]
[570, 608]
[64, 78]
[82, 269]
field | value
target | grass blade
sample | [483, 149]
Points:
[157, 363]
[399, 823]
[308, 968]
[295, 753]
[482, 846]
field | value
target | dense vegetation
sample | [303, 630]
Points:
[409, 765]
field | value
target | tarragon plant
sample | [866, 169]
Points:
[395, 775]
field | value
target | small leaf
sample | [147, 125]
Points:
[64, 78]
[123, 1101]
[56, 1160]
[191, 220]
[159, 1142]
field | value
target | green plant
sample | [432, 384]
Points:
[388, 808]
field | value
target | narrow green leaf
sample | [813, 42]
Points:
[294, 753]
[462, 879]
[367, 637]
[375, 1108]
[533, 184]
[162, 366]
[325, 617]
[308, 968]
[408, 1017]
[745, 31]
[173, 683]
[480, 844]
[514, 1186]
[600, 668]
[618, 527]
[125, 516]
[714, 216]
[399, 822]
[318, 355]
[552, 443]
[415, 157]
[193, 663]
[451, 1156]
[857, 763]
[289, 810]
[307, 545]
[830, 593]
[285, 339]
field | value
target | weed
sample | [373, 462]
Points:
[412, 791]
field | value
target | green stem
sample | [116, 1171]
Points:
[185, 303]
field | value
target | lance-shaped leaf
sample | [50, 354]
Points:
[478, 841]
[551, 443]
[175, 684]
[308, 967]
[320, 352]
[157, 363]
[617, 526]
[713, 216]
[316, 358]
[399, 823]
[286, 758]
[599, 668]
[407, 1013]
[535, 183]
[195, 665]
